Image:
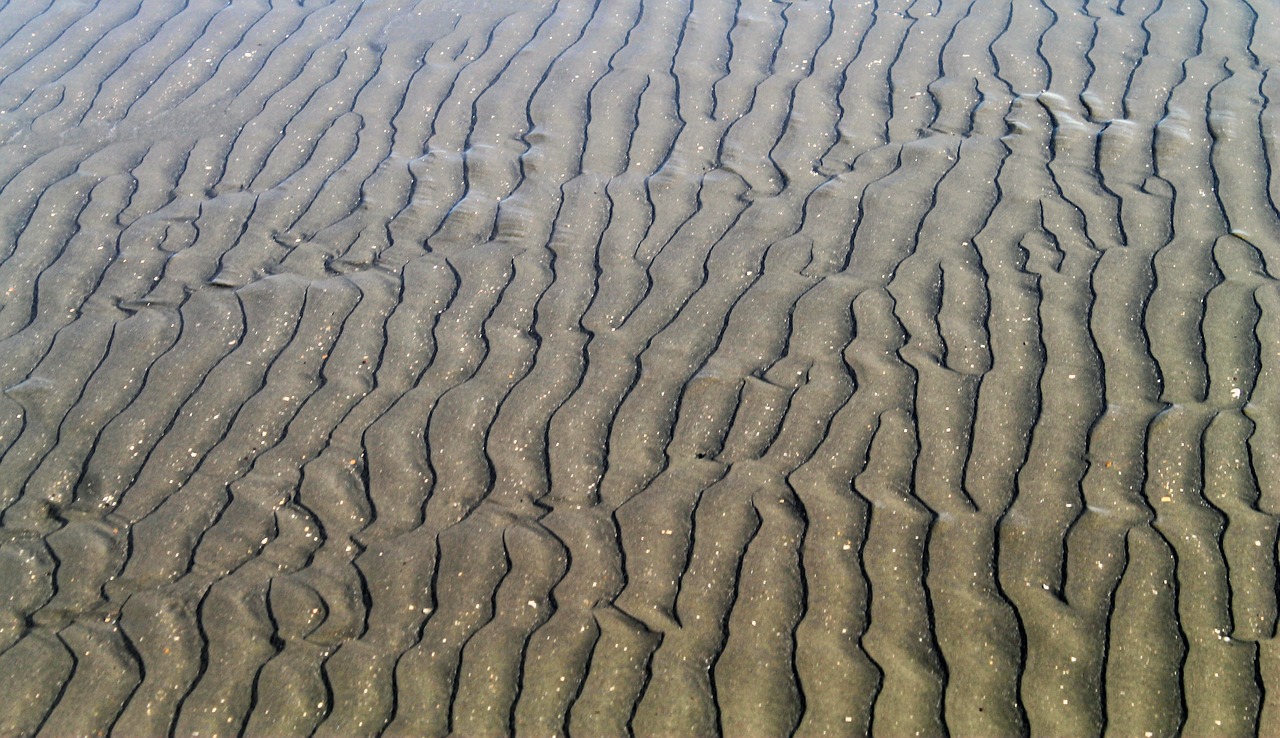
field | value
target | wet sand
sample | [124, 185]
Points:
[669, 368]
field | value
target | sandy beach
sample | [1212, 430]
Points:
[639, 367]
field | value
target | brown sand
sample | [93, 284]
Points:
[667, 368]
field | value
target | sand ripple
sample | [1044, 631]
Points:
[663, 368]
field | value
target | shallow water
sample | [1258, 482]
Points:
[667, 368]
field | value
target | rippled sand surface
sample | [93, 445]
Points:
[663, 367]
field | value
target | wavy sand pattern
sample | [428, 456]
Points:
[667, 367]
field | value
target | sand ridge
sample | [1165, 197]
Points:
[606, 367]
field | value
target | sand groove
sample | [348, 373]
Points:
[604, 367]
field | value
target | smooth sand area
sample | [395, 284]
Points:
[653, 367]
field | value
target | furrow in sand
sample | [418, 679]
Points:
[632, 366]
[520, 447]
[39, 687]
[62, 43]
[17, 18]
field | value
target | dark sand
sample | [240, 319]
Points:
[677, 368]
